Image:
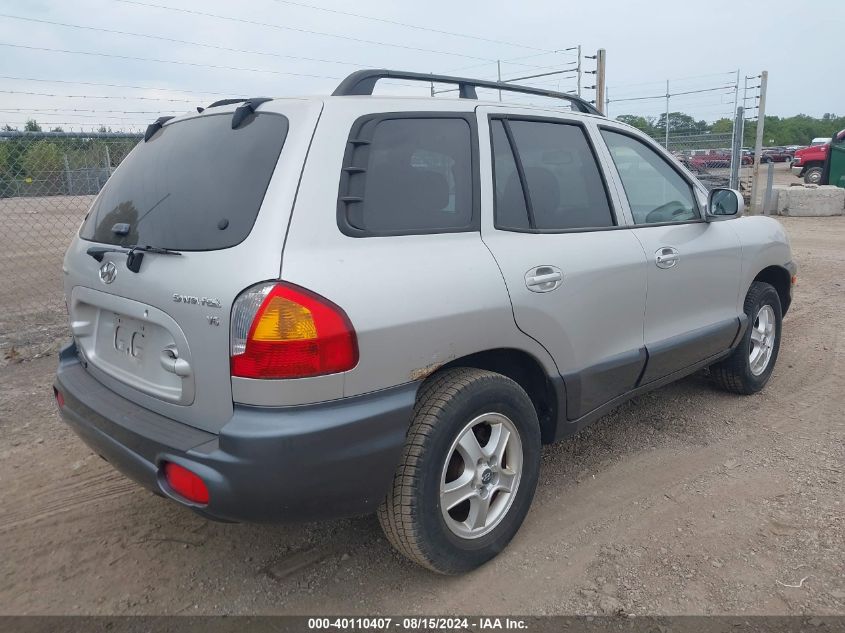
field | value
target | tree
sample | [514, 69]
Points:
[43, 163]
[681, 123]
[645, 124]
[722, 126]
[57, 129]
[32, 126]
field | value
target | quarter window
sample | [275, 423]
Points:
[656, 192]
[408, 175]
[557, 184]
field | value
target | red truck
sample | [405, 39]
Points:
[808, 162]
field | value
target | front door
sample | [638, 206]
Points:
[693, 266]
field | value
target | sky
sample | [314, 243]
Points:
[172, 55]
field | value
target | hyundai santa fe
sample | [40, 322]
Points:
[288, 309]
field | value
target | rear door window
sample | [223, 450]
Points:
[408, 176]
[196, 185]
[547, 178]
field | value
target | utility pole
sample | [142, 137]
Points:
[666, 122]
[601, 69]
[758, 144]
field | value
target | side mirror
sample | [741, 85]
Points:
[724, 204]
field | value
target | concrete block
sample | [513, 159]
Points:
[810, 201]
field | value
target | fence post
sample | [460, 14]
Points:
[68, 183]
[736, 148]
[666, 144]
[578, 69]
[498, 75]
[758, 144]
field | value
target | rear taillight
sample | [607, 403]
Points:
[185, 483]
[284, 331]
[60, 399]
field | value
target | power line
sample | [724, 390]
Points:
[671, 94]
[122, 97]
[300, 30]
[514, 61]
[104, 85]
[411, 26]
[69, 110]
[169, 61]
[663, 81]
[178, 41]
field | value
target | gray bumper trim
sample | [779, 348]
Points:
[325, 460]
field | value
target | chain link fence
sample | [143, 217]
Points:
[47, 182]
[709, 156]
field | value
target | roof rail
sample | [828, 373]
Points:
[363, 82]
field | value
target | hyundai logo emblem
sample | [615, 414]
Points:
[108, 272]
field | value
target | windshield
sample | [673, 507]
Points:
[195, 185]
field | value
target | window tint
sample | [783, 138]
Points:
[656, 192]
[416, 177]
[195, 185]
[511, 212]
[565, 190]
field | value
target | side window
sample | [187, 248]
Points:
[562, 185]
[408, 175]
[656, 192]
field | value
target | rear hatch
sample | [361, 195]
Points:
[220, 199]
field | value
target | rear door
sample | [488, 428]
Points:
[575, 273]
[693, 266]
[221, 198]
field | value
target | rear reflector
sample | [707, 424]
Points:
[185, 483]
[60, 399]
[283, 331]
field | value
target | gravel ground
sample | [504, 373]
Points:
[685, 501]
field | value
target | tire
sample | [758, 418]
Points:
[813, 175]
[411, 515]
[742, 372]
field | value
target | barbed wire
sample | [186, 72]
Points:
[410, 26]
[300, 30]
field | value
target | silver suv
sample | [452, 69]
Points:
[311, 308]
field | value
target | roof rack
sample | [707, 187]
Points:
[363, 82]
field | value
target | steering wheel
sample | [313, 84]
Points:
[660, 213]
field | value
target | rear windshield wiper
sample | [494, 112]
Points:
[134, 254]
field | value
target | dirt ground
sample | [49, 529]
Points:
[685, 501]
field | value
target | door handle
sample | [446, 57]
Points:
[666, 257]
[171, 362]
[543, 278]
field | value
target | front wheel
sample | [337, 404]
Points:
[749, 367]
[813, 176]
[468, 472]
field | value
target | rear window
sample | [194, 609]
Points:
[406, 176]
[196, 185]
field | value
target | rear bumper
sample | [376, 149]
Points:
[305, 462]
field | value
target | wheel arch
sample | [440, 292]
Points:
[528, 372]
[781, 279]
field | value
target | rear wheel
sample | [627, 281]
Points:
[748, 368]
[813, 175]
[468, 472]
